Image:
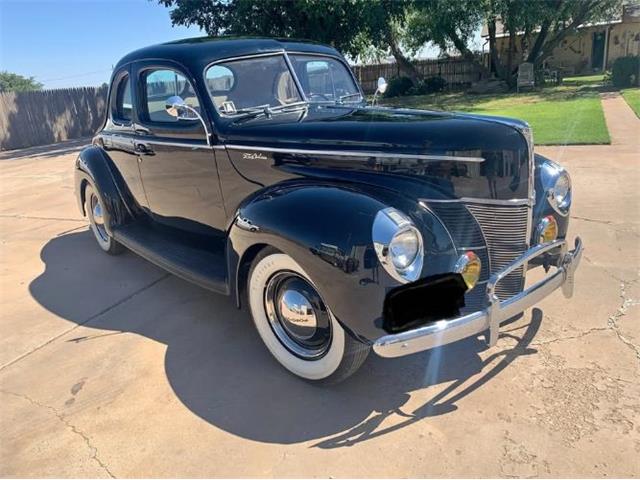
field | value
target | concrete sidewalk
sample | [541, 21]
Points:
[112, 368]
[622, 122]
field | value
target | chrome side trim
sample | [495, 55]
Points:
[174, 144]
[447, 331]
[350, 153]
[487, 201]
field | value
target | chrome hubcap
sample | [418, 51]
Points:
[97, 218]
[297, 315]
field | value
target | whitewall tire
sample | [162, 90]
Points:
[296, 326]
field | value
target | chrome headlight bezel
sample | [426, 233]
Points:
[388, 224]
[559, 198]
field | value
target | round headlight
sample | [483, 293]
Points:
[560, 193]
[547, 229]
[404, 248]
[469, 266]
[398, 244]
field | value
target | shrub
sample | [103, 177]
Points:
[398, 86]
[626, 71]
[429, 85]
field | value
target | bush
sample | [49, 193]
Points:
[429, 85]
[398, 86]
[626, 71]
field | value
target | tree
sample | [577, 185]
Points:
[354, 27]
[445, 23]
[544, 24]
[563, 17]
[12, 82]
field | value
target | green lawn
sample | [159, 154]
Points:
[562, 115]
[632, 96]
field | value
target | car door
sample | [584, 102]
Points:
[177, 165]
[117, 137]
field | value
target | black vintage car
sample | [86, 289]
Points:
[255, 168]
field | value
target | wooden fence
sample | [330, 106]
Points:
[49, 116]
[456, 71]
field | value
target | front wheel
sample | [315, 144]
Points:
[296, 325]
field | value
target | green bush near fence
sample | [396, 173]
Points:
[399, 86]
[625, 72]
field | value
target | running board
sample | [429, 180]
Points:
[206, 268]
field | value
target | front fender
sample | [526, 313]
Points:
[93, 165]
[326, 229]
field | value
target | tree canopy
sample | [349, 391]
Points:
[12, 82]
[359, 28]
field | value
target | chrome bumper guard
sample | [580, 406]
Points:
[447, 331]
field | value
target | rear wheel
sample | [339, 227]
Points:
[296, 325]
[97, 219]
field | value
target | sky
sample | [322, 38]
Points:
[69, 43]
[72, 43]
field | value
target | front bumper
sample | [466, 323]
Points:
[447, 331]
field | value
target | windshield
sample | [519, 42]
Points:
[251, 84]
[266, 83]
[325, 79]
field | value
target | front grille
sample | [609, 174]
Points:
[496, 233]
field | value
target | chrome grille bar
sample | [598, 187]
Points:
[505, 230]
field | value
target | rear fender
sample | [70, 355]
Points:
[93, 166]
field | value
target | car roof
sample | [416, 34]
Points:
[199, 52]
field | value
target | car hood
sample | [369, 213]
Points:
[370, 137]
[378, 129]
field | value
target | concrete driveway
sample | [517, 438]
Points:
[112, 368]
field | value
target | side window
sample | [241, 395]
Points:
[159, 85]
[319, 78]
[122, 108]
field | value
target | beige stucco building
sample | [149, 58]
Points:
[593, 48]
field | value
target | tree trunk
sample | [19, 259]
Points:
[509, 72]
[496, 64]
[544, 45]
[537, 45]
[467, 54]
[407, 68]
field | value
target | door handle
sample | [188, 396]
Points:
[142, 148]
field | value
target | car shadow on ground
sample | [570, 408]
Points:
[220, 370]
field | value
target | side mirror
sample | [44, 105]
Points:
[176, 106]
[382, 85]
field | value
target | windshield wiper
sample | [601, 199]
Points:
[348, 95]
[268, 110]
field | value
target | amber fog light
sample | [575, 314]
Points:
[547, 230]
[469, 266]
